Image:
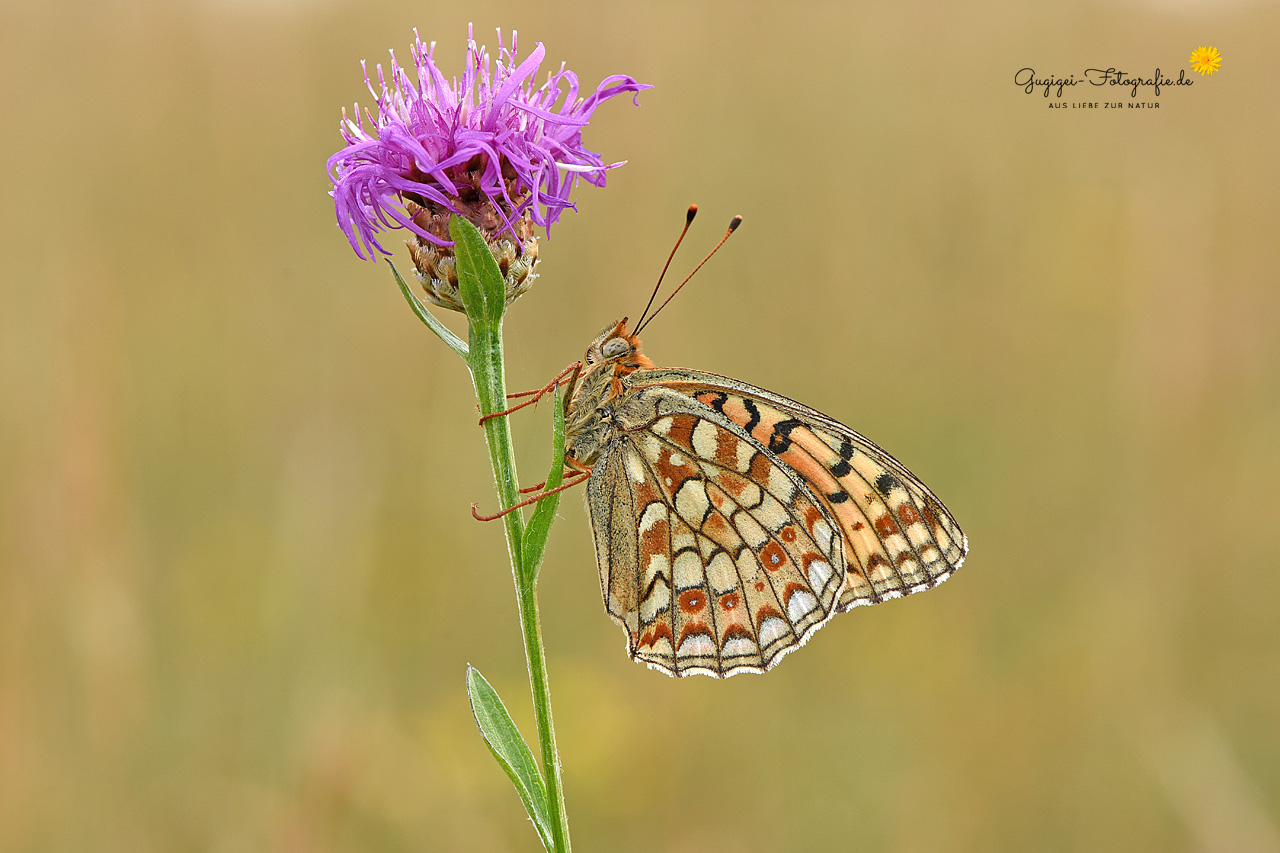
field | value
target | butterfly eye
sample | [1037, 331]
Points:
[615, 347]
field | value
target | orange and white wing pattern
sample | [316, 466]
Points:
[714, 555]
[897, 537]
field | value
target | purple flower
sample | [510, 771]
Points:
[489, 146]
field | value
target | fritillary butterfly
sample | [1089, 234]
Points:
[730, 522]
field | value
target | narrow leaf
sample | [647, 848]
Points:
[454, 342]
[509, 748]
[544, 514]
[484, 292]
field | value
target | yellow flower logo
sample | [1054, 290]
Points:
[1206, 60]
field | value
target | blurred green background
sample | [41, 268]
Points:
[239, 583]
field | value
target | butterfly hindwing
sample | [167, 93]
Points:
[897, 536]
[714, 557]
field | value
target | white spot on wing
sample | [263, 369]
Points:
[635, 468]
[822, 534]
[697, 645]
[721, 573]
[800, 605]
[704, 439]
[691, 501]
[780, 484]
[771, 514]
[688, 570]
[653, 513]
[739, 647]
[819, 574]
[662, 648]
[751, 532]
[683, 540]
[773, 628]
[747, 567]
[657, 563]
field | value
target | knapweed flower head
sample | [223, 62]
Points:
[490, 146]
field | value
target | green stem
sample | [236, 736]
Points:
[486, 361]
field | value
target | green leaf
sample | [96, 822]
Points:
[544, 514]
[483, 289]
[454, 342]
[512, 752]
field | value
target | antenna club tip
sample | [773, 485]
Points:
[693, 211]
[735, 222]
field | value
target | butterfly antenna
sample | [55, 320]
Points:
[733, 226]
[688, 220]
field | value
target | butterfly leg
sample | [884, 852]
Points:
[576, 479]
[536, 395]
[569, 462]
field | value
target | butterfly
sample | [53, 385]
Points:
[730, 522]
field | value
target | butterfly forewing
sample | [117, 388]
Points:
[713, 555]
[897, 536]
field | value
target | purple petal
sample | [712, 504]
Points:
[422, 136]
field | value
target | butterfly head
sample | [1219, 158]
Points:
[618, 348]
[594, 395]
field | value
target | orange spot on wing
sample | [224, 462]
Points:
[730, 600]
[646, 493]
[877, 561]
[692, 601]
[668, 470]
[907, 514]
[654, 541]
[736, 631]
[788, 533]
[772, 556]
[694, 628]
[767, 611]
[759, 470]
[656, 633]
[726, 449]
[886, 526]
[792, 589]
[681, 431]
[715, 525]
[759, 586]
[732, 483]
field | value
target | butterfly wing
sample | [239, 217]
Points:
[897, 537]
[714, 556]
